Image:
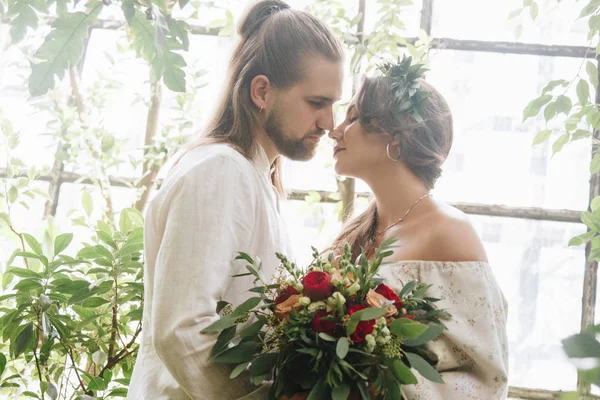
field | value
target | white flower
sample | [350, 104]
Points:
[305, 301]
[353, 289]
[317, 305]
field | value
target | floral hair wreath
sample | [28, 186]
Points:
[408, 95]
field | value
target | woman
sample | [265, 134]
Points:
[396, 135]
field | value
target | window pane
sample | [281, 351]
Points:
[557, 22]
[493, 159]
[533, 265]
[29, 117]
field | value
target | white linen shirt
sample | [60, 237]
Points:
[213, 204]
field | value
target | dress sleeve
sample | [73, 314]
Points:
[473, 351]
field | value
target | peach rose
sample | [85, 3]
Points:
[336, 274]
[283, 310]
[376, 300]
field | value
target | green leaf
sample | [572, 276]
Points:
[88, 202]
[23, 273]
[582, 239]
[246, 306]
[169, 66]
[62, 48]
[403, 373]
[589, 9]
[2, 363]
[549, 111]
[263, 364]
[326, 337]
[591, 221]
[222, 323]
[424, 368]
[13, 194]
[406, 289]
[99, 358]
[369, 313]
[397, 324]
[595, 164]
[363, 315]
[432, 333]
[83, 294]
[560, 143]
[253, 329]
[33, 243]
[533, 10]
[595, 204]
[24, 339]
[237, 371]
[592, 72]
[583, 91]
[94, 302]
[515, 13]
[340, 392]
[320, 391]
[25, 17]
[223, 341]
[364, 392]
[542, 136]
[106, 238]
[62, 242]
[413, 330]
[243, 352]
[118, 392]
[342, 347]
[581, 345]
[28, 284]
[392, 387]
[533, 108]
[581, 134]
[142, 31]
[554, 84]
[563, 104]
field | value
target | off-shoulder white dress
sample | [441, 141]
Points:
[473, 351]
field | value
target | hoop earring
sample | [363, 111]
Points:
[387, 150]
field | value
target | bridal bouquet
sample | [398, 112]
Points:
[332, 329]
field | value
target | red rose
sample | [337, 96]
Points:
[327, 326]
[287, 292]
[363, 328]
[317, 285]
[389, 294]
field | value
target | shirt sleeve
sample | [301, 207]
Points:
[207, 221]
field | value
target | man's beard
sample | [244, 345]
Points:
[294, 149]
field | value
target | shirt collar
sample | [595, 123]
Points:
[261, 161]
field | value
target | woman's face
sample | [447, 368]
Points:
[357, 151]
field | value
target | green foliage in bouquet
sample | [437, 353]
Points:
[330, 330]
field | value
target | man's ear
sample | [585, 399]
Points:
[259, 91]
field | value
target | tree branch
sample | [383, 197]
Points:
[150, 172]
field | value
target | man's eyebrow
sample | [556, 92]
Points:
[323, 98]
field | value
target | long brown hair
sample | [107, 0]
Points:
[275, 40]
[423, 147]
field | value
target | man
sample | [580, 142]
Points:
[222, 197]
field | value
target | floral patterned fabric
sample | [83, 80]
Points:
[473, 351]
